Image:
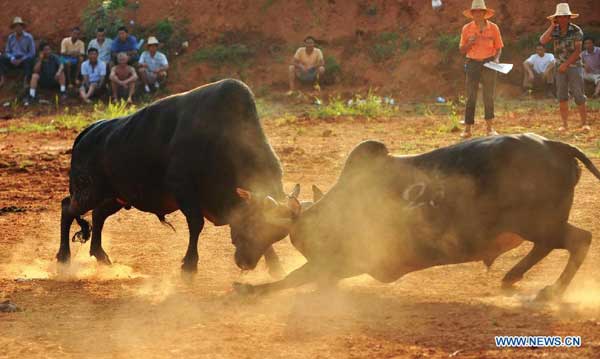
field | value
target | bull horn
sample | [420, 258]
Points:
[269, 203]
[296, 191]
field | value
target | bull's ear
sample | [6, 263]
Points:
[413, 192]
[244, 194]
[317, 193]
[294, 205]
[296, 191]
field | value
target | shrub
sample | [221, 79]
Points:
[114, 4]
[97, 15]
[218, 55]
[447, 45]
[370, 106]
[333, 70]
[384, 46]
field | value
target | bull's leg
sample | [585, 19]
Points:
[305, 274]
[184, 189]
[195, 225]
[537, 253]
[66, 219]
[273, 263]
[99, 215]
[577, 241]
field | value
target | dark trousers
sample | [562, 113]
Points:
[477, 73]
[6, 65]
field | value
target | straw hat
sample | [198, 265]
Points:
[478, 5]
[563, 9]
[152, 41]
[17, 21]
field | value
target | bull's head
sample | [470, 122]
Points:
[259, 222]
[262, 221]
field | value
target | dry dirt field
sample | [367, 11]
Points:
[141, 306]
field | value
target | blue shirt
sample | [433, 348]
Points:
[95, 73]
[154, 63]
[104, 50]
[130, 44]
[23, 48]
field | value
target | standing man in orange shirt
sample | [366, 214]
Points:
[481, 42]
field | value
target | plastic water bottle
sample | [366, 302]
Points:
[436, 4]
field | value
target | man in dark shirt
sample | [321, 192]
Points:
[19, 52]
[47, 73]
[125, 43]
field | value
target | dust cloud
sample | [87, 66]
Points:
[30, 261]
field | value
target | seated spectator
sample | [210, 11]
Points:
[103, 44]
[93, 71]
[153, 65]
[539, 71]
[591, 63]
[308, 65]
[47, 73]
[125, 43]
[19, 52]
[123, 78]
[72, 51]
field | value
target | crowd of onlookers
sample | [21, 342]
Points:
[116, 65]
[539, 69]
[106, 64]
[113, 65]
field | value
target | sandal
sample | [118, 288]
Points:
[466, 135]
[492, 133]
[563, 129]
[586, 128]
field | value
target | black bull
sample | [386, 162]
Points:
[196, 152]
[388, 216]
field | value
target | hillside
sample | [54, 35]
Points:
[403, 47]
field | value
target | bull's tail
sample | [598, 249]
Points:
[84, 234]
[164, 222]
[576, 152]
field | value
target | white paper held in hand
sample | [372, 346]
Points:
[502, 68]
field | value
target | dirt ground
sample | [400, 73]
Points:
[141, 306]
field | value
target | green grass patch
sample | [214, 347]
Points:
[267, 4]
[447, 45]
[384, 47]
[219, 55]
[107, 14]
[370, 106]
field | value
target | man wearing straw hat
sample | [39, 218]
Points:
[153, 65]
[567, 39]
[20, 51]
[480, 41]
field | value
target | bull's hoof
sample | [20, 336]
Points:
[243, 288]
[101, 257]
[508, 288]
[189, 267]
[548, 294]
[63, 257]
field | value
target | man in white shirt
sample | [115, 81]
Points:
[308, 65]
[591, 63]
[539, 71]
[94, 72]
[103, 44]
[153, 65]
